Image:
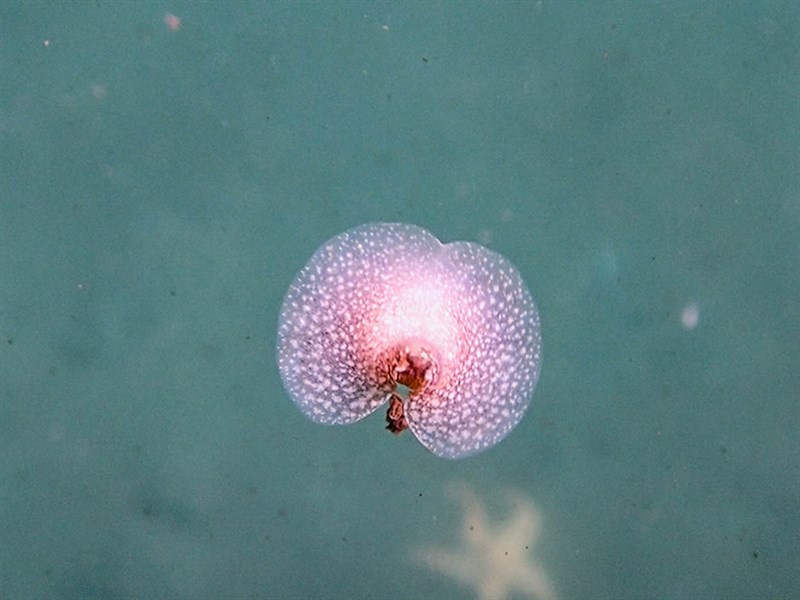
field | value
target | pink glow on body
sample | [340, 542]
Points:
[384, 286]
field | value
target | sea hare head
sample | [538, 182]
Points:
[386, 312]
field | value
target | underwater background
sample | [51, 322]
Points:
[166, 170]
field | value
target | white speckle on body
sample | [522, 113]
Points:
[382, 284]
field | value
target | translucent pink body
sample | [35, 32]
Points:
[384, 286]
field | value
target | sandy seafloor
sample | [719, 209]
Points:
[163, 179]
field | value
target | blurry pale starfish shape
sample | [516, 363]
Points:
[497, 562]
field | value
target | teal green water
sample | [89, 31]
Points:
[160, 186]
